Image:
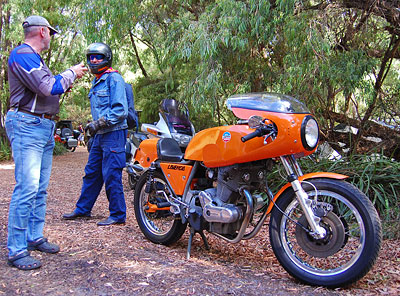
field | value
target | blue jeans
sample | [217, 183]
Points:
[105, 164]
[32, 143]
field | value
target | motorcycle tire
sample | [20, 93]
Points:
[160, 227]
[350, 246]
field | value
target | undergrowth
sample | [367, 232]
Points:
[5, 150]
[377, 176]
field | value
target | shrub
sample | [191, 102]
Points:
[5, 150]
[59, 149]
[375, 175]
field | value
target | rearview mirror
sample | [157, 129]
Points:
[255, 121]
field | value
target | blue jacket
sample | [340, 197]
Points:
[108, 99]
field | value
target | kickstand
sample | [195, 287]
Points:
[192, 233]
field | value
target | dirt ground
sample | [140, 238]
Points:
[118, 260]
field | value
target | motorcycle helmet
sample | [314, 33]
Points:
[99, 48]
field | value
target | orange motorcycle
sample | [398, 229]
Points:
[323, 230]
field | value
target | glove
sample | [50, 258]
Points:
[96, 125]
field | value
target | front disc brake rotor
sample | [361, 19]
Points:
[327, 246]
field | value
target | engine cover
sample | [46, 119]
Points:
[221, 213]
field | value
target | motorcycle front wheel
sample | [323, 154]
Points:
[161, 226]
[350, 246]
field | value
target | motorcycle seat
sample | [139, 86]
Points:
[168, 150]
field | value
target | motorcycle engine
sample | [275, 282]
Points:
[223, 206]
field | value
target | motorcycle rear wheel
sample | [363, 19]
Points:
[161, 227]
[350, 247]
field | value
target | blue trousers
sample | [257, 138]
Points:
[32, 142]
[105, 164]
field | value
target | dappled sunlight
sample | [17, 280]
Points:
[10, 166]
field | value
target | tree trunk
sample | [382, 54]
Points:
[137, 55]
[385, 67]
[390, 137]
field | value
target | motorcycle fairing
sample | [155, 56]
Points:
[177, 175]
[222, 146]
[306, 177]
[147, 152]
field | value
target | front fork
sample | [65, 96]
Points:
[293, 171]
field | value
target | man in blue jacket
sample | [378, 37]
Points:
[34, 104]
[109, 109]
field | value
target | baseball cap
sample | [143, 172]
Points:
[36, 20]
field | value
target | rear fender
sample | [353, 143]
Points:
[287, 186]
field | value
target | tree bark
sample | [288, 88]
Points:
[137, 55]
[390, 137]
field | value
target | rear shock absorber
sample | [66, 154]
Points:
[150, 178]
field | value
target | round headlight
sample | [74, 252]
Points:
[309, 133]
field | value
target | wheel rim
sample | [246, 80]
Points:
[160, 222]
[330, 264]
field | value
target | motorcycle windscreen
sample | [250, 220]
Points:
[244, 105]
[178, 123]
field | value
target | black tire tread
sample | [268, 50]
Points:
[366, 210]
[177, 229]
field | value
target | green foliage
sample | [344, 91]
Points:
[201, 52]
[377, 176]
[5, 150]
[59, 149]
[149, 92]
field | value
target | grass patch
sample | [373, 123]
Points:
[377, 176]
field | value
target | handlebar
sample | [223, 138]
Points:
[259, 132]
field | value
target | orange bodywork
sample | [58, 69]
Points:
[177, 175]
[305, 177]
[222, 146]
[147, 152]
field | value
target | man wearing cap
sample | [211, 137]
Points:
[34, 104]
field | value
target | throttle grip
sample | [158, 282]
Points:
[256, 133]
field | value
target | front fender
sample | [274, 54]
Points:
[305, 177]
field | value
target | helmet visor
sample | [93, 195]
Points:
[96, 56]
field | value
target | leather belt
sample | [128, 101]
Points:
[47, 116]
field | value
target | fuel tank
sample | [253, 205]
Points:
[222, 146]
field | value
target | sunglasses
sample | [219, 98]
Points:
[96, 56]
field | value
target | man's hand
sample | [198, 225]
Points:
[79, 70]
[96, 125]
